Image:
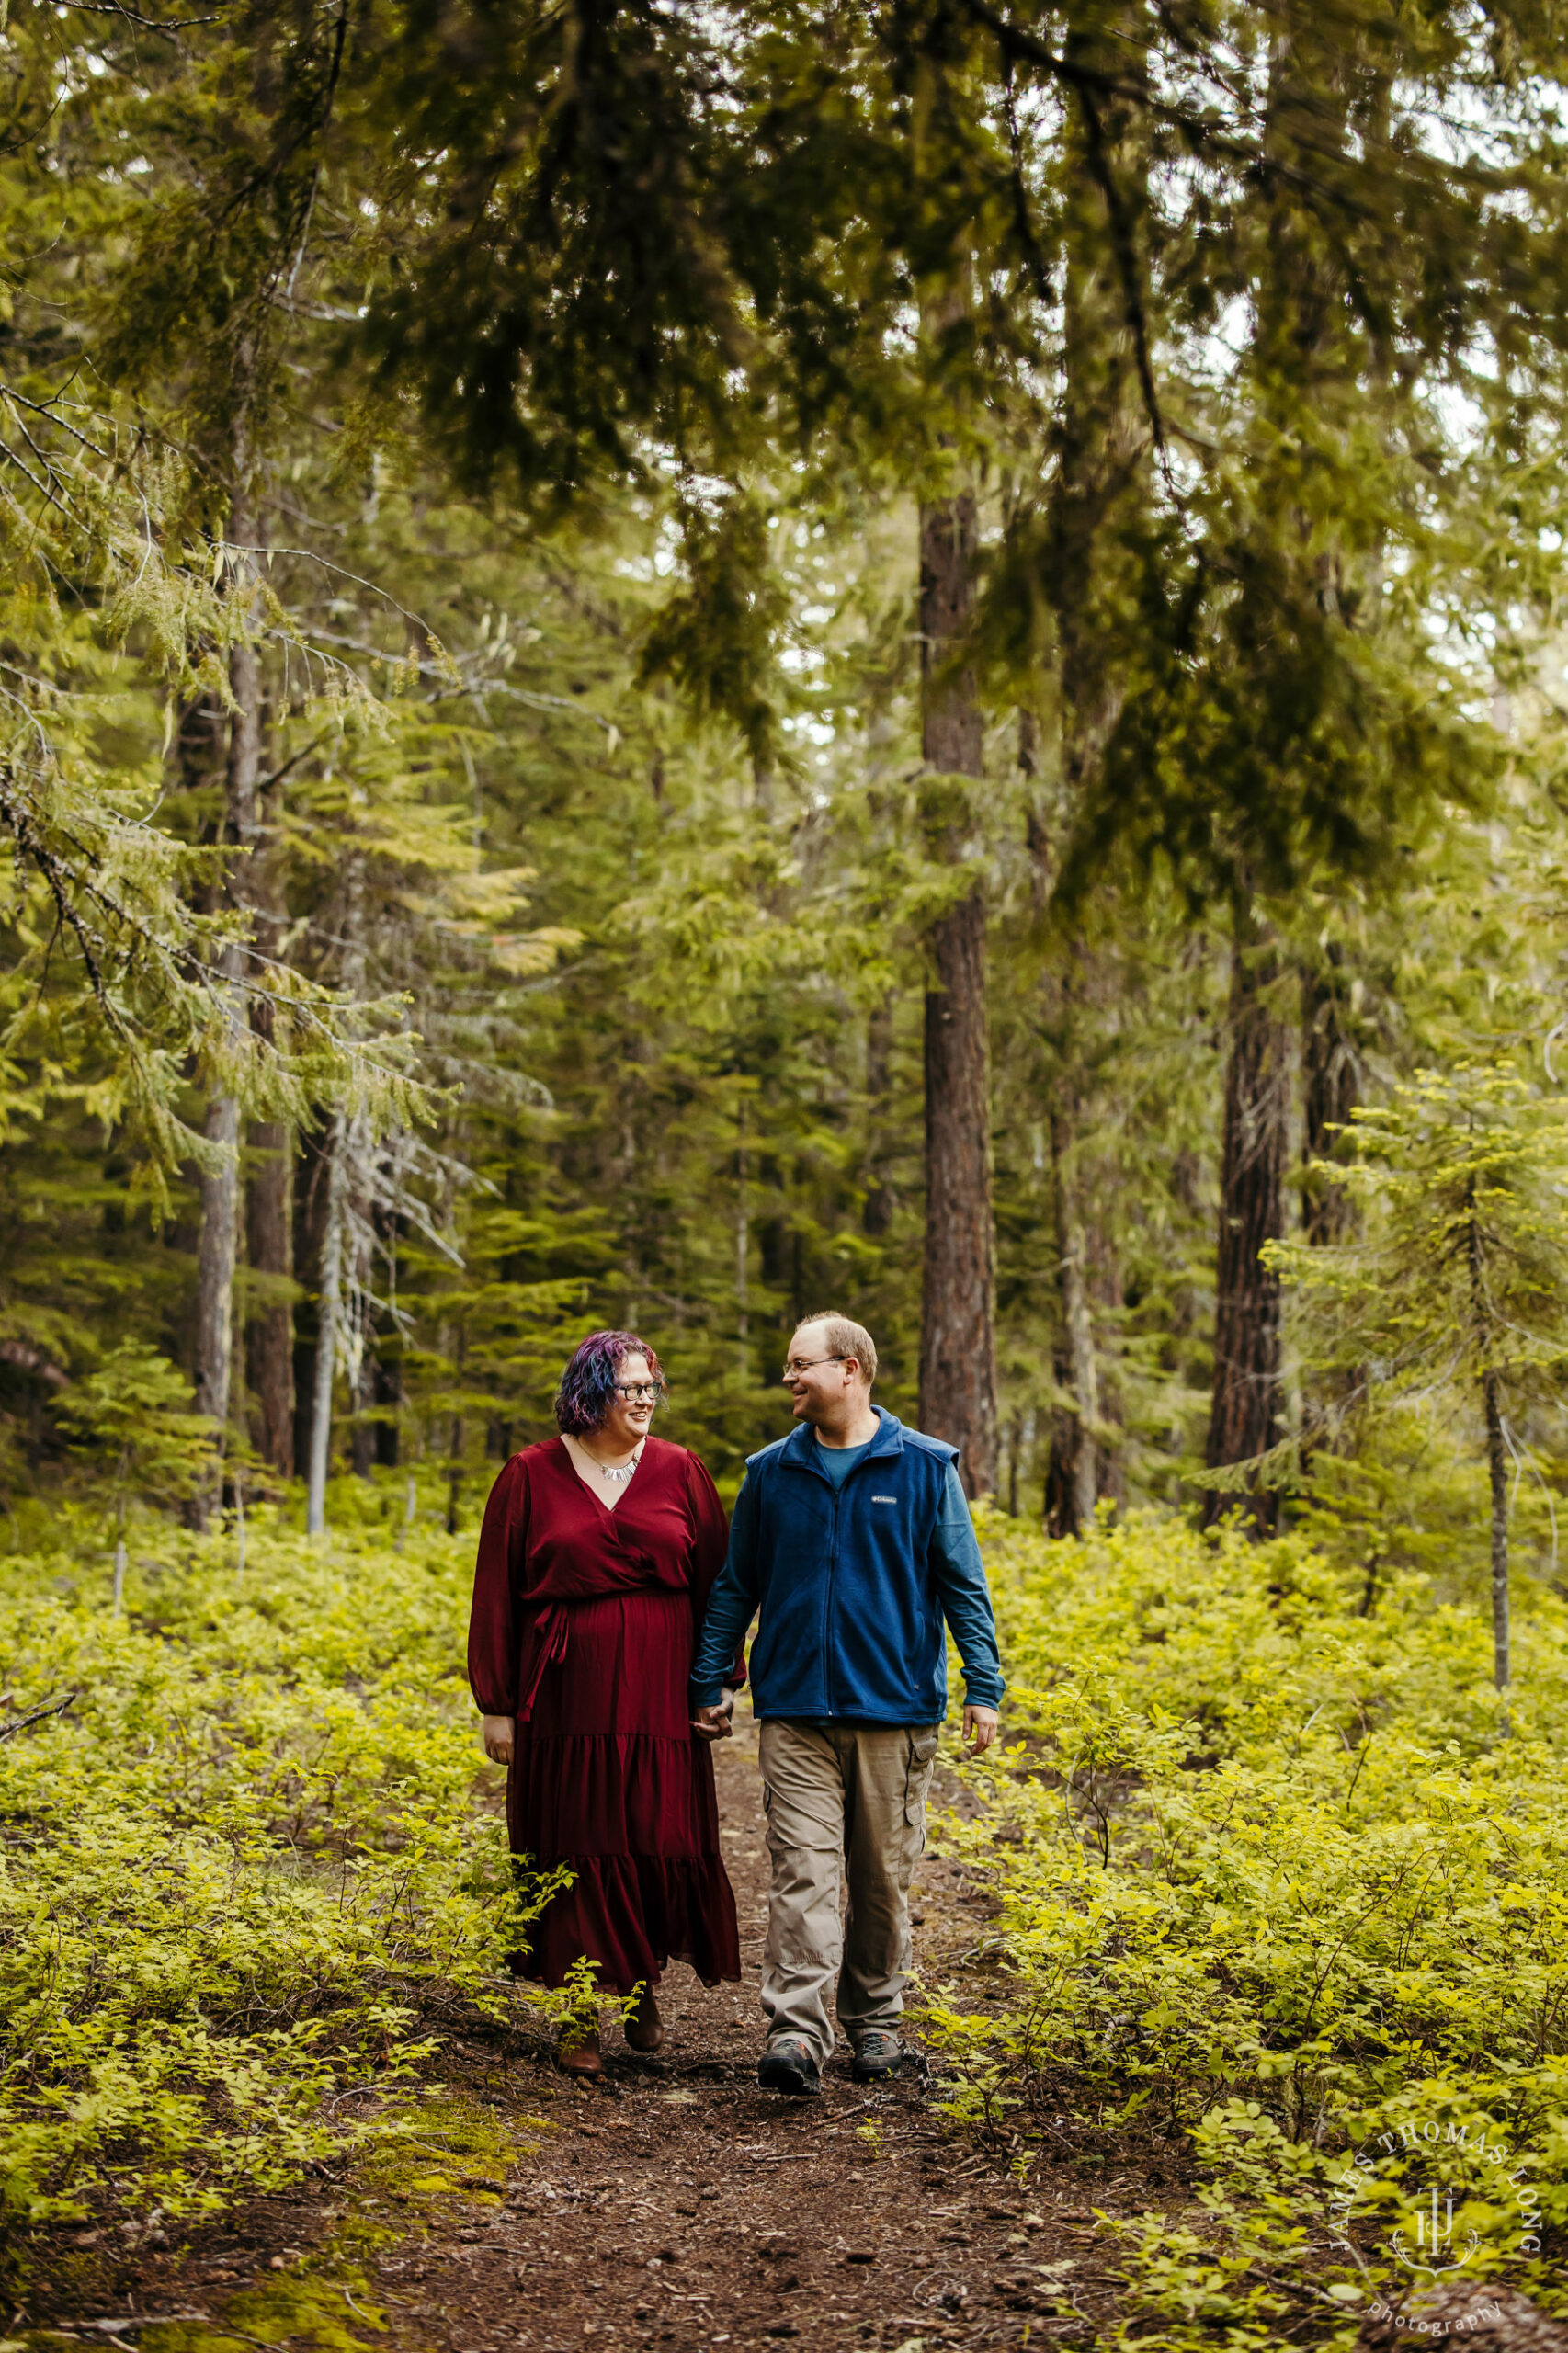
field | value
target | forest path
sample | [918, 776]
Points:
[681, 2206]
[676, 2205]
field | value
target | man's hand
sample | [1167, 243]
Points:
[979, 1728]
[715, 1724]
[498, 1734]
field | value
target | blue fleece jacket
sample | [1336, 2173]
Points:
[852, 1582]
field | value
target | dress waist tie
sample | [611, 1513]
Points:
[548, 1650]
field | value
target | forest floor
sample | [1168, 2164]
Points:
[676, 2205]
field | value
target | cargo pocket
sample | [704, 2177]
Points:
[917, 1780]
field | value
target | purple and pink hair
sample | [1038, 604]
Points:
[582, 1399]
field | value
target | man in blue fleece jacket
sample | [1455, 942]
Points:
[852, 1544]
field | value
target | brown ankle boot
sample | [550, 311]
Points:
[577, 2052]
[644, 2028]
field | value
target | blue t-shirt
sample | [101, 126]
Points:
[839, 1460]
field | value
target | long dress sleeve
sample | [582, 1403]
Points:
[710, 1531]
[493, 1628]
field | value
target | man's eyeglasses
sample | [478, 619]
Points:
[795, 1365]
[638, 1392]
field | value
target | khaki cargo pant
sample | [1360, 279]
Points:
[849, 1797]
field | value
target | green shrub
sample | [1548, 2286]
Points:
[1273, 1884]
[242, 1873]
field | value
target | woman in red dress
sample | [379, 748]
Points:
[598, 1551]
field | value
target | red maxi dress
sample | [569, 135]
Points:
[583, 1627]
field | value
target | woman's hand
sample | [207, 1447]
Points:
[498, 1734]
[715, 1724]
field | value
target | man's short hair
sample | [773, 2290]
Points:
[846, 1339]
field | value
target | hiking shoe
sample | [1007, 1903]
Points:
[787, 2066]
[876, 2055]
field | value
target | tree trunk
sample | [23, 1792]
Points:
[388, 1397]
[1498, 1469]
[1496, 1465]
[1244, 1417]
[1100, 486]
[1102, 434]
[1331, 1073]
[458, 1442]
[326, 1336]
[201, 757]
[344, 1280]
[215, 1255]
[957, 1327]
[1106, 1302]
[379, 1385]
[1330, 1088]
[1073, 1487]
[309, 1175]
[219, 1184]
[362, 1436]
[269, 1339]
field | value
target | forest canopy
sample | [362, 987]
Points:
[665, 668]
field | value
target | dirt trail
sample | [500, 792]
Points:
[683, 2206]
[678, 2205]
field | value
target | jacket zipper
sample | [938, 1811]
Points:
[839, 1489]
[827, 1630]
[836, 1491]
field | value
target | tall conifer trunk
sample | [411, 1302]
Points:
[215, 1255]
[1075, 1484]
[1244, 1414]
[269, 1340]
[1102, 442]
[1330, 1088]
[344, 1217]
[218, 1247]
[1497, 1477]
[958, 1326]
[1496, 1456]
[309, 1177]
[328, 1310]
[1303, 349]
[1299, 304]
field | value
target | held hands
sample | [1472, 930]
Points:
[499, 1732]
[979, 1728]
[716, 1723]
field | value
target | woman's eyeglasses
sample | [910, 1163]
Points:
[638, 1392]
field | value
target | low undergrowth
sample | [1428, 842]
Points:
[451, 2162]
[1279, 1896]
[1278, 1890]
[242, 1875]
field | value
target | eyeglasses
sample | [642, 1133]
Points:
[638, 1392]
[795, 1365]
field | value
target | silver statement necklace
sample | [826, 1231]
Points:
[619, 1478]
